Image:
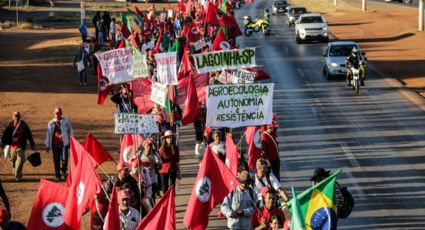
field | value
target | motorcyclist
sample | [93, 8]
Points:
[354, 61]
[267, 15]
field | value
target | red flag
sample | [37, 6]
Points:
[142, 89]
[49, 207]
[213, 182]
[75, 157]
[182, 8]
[103, 87]
[216, 17]
[201, 83]
[221, 42]
[112, 220]
[185, 66]
[163, 215]
[84, 185]
[192, 32]
[125, 31]
[128, 148]
[192, 104]
[253, 138]
[96, 150]
[234, 30]
[232, 155]
[140, 13]
[122, 44]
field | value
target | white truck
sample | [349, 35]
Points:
[311, 26]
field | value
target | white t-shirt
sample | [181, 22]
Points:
[131, 219]
[275, 184]
[112, 28]
[216, 148]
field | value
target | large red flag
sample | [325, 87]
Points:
[253, 138]
[49, 207]
[221, 42]
[128, 148]
[192, 104]
[142, 89]
[182, 8]
[112, 220]
[185, 66]
[213, 182]
[75, 157]
[103, 87]
[201, 83]
[192, 32]
[96, 150]
[216, 17]
[163, 215]
[232, 155]
[84, 185]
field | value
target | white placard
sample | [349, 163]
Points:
[134, 123]
[241, 76]
[201, 43]
[159, 93]
[224, 60]
[117, 65]
[166, 66]
[239, 105]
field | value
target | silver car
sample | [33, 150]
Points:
[293, 12]
[279, 6]
[335, 56]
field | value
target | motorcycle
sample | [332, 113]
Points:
[262, 24]
[357, 73]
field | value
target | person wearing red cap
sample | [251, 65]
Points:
[98, 207]
[270, 145]
[262, 216]
[59, 132]
[151, 161]
[14, 140]
[129, 216]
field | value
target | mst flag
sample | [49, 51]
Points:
[103, 86]
[84, 185]
[221, 42]
[232, 155]
[318, 204]
[253, 138]
[297, 222]
[213, 182]
[49, 207]
[96, 150]
[163, 215]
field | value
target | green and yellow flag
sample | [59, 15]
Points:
[297, 221]
[318, 205]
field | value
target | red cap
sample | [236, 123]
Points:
[4, 216]
[264, 190]
[121, 165]
[58, 110]
[147, 141]
[16, 113]
[123, 195]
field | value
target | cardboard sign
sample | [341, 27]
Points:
[134, 123]
[241, 76]
[224, 60]
[159, 93]
[140, 68]
[166, 65]
[234, 106]
[117, 65]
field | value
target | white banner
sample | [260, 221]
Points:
[159, 93]
[134, 123]
[224, 60]
[166, 66]
[140, 68]
[239, 105]
[241, 76]
[117, 65]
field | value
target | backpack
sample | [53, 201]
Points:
[346, 206]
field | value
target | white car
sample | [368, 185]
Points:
[335, 56]
[311, 26]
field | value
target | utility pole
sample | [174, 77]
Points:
[421, 15]
[364, 5]
[17, 13]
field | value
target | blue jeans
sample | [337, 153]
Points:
[60, 154]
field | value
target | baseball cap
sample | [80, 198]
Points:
[16, 113]
[264, 190]
[147, 141]
[58, 110]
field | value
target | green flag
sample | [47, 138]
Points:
[318, 203]
[126, 22]
[297, 222]
[136, 18]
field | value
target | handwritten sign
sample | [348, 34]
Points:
[159, 93]
[239, 105]
[140, 68]
[241, 76]
[134, 123]
[199, 44]
[117, 65]
[166, 65]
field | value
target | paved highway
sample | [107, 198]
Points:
[376, 138]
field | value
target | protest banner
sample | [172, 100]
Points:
[117, 65]
[234, 106]
[241, 76]
[199, 44]
[140, 68]
[224, 60]
[159, 93]
[225, 77]
[166, 66]
[134, 123]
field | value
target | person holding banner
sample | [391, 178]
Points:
[170, 156]
[124, 101]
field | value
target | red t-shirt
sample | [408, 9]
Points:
[57, 134]
[96, 222]
[17, 137]
[264, 213]
[270, 145]
[169, 160]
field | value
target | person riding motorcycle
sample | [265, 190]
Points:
[354, 61]
[267, 15]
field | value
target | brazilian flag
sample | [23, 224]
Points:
[297, 221]
[318, 205]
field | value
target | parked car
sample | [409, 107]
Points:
[311, 26]
[279, 6]
[293, 12]
[335, 55]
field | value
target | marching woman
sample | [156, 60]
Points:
[170, 157]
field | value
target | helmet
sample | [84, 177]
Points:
[266, 10]
[354, 51]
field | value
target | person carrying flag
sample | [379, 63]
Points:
[262, 218]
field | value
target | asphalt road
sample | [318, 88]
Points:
[377, 138]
